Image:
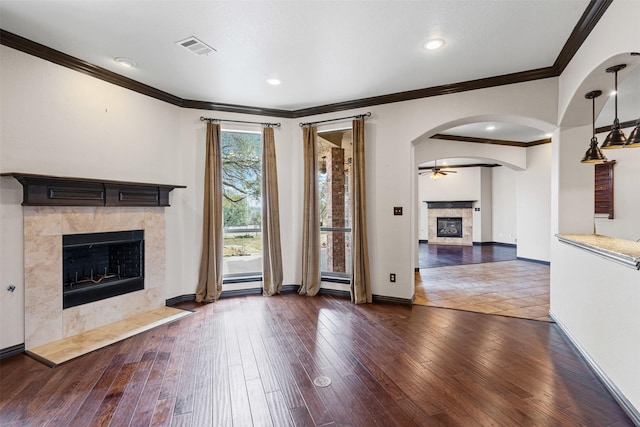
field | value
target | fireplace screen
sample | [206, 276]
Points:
[449, 227]
[97, 266]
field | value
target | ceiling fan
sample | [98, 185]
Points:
[436, 172]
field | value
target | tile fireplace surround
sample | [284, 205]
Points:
[467, 226]
[45, 320]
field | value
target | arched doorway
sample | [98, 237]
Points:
[496, 180]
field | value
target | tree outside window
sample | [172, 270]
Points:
[242, 203]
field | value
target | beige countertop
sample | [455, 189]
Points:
[623, 251]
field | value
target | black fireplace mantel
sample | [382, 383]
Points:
[45, 190]
[462, 204]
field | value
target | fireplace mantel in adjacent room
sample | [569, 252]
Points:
[460, 211]
[46, 190]
[458, 204]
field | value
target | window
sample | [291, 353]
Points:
[242, 204]
[334, 175]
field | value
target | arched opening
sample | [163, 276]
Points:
[494, 164]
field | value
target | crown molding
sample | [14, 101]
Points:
[581, 31]
[585, 25]
[41, 51]
[476, 140]
[471, 165]
[233, 108]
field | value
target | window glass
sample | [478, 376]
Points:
[334, 176]
[242, 203]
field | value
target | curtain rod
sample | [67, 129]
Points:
[212, 120]
[358, 116]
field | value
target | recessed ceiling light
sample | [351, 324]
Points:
[126, 62]
[433, 44]
[613, 92]
[490, 127]
[273, 82]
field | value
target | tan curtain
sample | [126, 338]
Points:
[311, 215]
[271, 249]
[360, 279]
[210, 277]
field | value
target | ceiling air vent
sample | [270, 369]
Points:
[196, 46]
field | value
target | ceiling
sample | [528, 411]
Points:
[322, 51]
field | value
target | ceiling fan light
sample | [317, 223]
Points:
[435, 175]
[634, 137]
[593, 154]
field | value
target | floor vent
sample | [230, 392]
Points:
[196, 46]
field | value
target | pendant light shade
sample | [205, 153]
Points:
[593, 154]
[634, 137]
[616, 138]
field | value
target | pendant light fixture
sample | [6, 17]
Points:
[593, 154]
[616, 138]
[634, 137]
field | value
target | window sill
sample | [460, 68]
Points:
[242, 279]
[335, 279]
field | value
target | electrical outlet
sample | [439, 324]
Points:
[392, 277]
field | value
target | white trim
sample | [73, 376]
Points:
[619, 397]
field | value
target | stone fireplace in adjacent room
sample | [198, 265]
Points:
[450, 222]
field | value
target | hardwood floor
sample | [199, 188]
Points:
[251, 361]
[445, 255]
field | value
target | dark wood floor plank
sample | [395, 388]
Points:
[162, 412]
[251, 360]
[143, 412]
[240, 409]
[260, 413]
[280, 414]
[114, 395]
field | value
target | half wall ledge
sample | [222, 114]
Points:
[46, 190]
[625, 252]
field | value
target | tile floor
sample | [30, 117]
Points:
[508, 288]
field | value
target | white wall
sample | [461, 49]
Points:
[59, 122]
[503, 220]
[595, 299]
[533, 204]
[485, 205]
[56, 121]
[626, 176]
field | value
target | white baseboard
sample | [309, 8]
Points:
[624, 403]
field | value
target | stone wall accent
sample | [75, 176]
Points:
[336, 210]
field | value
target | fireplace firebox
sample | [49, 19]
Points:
[449, 227]
[96, 266]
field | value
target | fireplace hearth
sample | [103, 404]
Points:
[97, 266]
